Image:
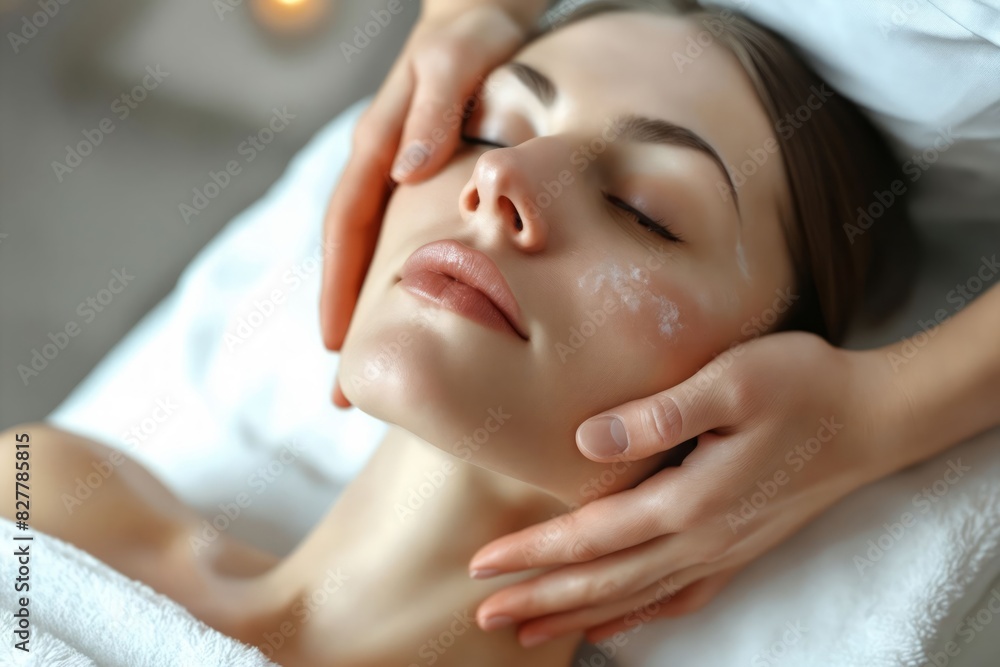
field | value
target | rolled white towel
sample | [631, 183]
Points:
[82, 612]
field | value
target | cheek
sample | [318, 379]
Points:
[627, 291]
[657, 333]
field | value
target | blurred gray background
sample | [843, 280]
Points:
[225, 65]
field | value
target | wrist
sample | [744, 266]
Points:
[941, 388]
[884, 409]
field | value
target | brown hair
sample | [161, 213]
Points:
[835, 163]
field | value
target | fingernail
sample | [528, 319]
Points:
[496, 622]
[484, 573]
[529, 641]
[414, 156]
[603, 437]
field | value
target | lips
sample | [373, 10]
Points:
[465, 280]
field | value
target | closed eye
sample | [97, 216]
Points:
[484, 142]
[643, 220]
[633, 214]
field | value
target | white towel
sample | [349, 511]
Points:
[83, 612]
[886, 577]
[805, 603]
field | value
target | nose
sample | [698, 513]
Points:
[502, 193]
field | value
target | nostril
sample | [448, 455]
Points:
[505, 203]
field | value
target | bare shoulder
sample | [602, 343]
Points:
[88, 494]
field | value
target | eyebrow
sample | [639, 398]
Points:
[535, 81]
[634, 128]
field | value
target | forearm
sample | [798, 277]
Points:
[525, 12]
[947, 379]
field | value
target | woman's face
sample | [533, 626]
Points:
[591, 187]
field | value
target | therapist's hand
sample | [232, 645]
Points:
[786, 426]
[412, 127]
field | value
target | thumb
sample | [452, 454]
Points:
[647, 426]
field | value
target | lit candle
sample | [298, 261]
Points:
[291, 16]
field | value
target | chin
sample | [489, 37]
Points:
[434, 375]
[458, 386]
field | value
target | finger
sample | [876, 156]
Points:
[648, 426]
[610, 524]
[598, 582]
[635, 609]
[689, 600]
[446, 77]
[433, 126]
[354, 215]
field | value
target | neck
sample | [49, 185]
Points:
[383, 578]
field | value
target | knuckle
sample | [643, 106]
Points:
[650, 523]
[741, 393]
[557, 538]
[583, 549]
[713, 551]
[687, 517]
[658, 419]
[603, 588]
[695, 511]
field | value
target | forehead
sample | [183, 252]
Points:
[662, 66]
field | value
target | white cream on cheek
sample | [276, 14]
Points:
[631, 287]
